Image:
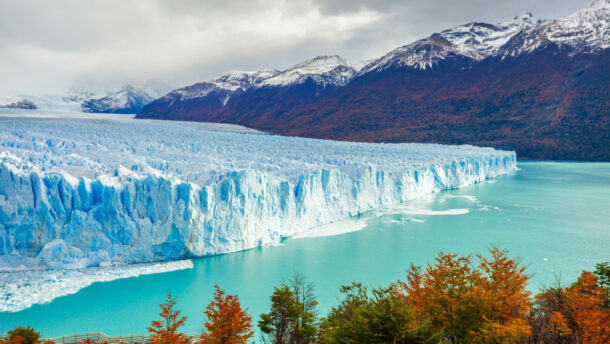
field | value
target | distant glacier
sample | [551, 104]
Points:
[90, 190]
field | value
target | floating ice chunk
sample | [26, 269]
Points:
[332, 229]
[404, 209]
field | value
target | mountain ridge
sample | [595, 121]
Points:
[522, 84]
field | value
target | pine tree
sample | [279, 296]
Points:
[165, 331]
[226, 322]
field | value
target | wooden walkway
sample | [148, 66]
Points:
[102, 338]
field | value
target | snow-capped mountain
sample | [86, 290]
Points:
[127, 100]
[322, 70]
[584, 30]
[474, 41]
[538, 86]
[227, 84]
[239, 91]
[24, 104]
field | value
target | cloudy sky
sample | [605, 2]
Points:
[51, 46]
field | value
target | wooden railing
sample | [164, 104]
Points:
[102, 338]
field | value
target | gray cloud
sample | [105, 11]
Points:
[49, 46]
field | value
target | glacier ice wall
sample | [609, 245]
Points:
[89, 191]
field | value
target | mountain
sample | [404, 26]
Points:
[473, 41]
[587, 30]
[127, 100]
[540, 87]
[22, 104]
[261, 92]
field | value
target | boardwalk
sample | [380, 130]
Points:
[102, 338]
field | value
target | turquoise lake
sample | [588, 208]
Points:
[554, 216]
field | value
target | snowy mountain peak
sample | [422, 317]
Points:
[242, 80]
[226, 84]
[326, 63]
[473, 40]
[597, 4]
[585, 30]
[325, 70]
[128, 100]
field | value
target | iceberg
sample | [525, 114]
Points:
[85, 190]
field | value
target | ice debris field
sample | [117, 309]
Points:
[85, 190]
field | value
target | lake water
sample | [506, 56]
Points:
[554, 216]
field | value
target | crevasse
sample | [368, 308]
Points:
[66, 217]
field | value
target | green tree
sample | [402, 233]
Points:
[292, 318]
[383, 317]
[305, 326]
[277, 324]
[28, 335]
[602, 271]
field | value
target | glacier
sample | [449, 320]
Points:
[86, 190]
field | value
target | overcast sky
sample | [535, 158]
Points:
[50, 46]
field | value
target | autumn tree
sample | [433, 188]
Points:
[578, 314]
[23, 335]
[292, 318]
[586, 304]
[506, 301]
[377, 317]
[227, 322]
[486, 303]
[547, 322]
[166, 331]
[15, 340]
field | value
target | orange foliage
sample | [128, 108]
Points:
[585, 303]
[165, 331]
[560, 324]
[15, 340]
[483, 304]
[227, 322]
